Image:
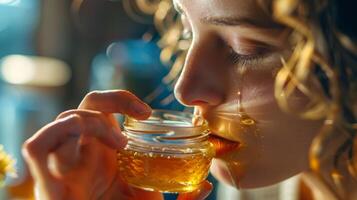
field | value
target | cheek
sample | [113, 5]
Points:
[282, 146]
[281, 151]
[282, 133]
[259, 101]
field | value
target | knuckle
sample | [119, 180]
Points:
[126, 93]
[30, 148]
[33, 146]
[100, 116]
[66, 113]
[73, 118]
[75, 123]
[92, 95]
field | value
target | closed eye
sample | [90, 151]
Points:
[246, 59]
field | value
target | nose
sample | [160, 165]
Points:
[203, 80]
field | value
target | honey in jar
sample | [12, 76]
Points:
[165, 153]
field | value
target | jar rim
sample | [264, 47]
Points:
[166, 127]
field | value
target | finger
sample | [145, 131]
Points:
[35, 151]
[51, 137]
[65, 157]
[99, 125]
[110, 117]
[144, 194]
[200, 193]
[122, 190]
[116, 101]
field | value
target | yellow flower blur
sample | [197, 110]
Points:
[6, 165]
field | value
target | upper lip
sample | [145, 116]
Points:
[222, 145]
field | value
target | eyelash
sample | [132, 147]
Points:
[234, 57]
[242, 60]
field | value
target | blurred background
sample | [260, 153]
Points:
[54, 52]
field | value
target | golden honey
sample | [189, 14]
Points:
[165, 153]
[165, 173]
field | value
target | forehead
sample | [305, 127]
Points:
[239, 8]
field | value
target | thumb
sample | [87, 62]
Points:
[200, 193]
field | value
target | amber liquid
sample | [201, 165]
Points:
[164, 172]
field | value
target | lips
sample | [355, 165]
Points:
[223, 146]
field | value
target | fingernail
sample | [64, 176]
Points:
[139, 108]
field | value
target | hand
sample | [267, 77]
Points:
[74, 157]
[124, 191]
[200, 194]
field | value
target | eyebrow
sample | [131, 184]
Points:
[233, 21]
[239, 21]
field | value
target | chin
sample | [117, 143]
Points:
[248, 177]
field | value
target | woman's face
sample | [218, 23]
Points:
[228, 76]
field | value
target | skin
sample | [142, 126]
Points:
[276, 146]
[236, 98]
[74, 157]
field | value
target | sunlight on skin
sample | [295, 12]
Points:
[229, 75]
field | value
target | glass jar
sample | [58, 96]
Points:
[166, 152]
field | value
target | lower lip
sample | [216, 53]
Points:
[223, 146]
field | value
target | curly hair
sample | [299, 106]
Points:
[337, 76]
